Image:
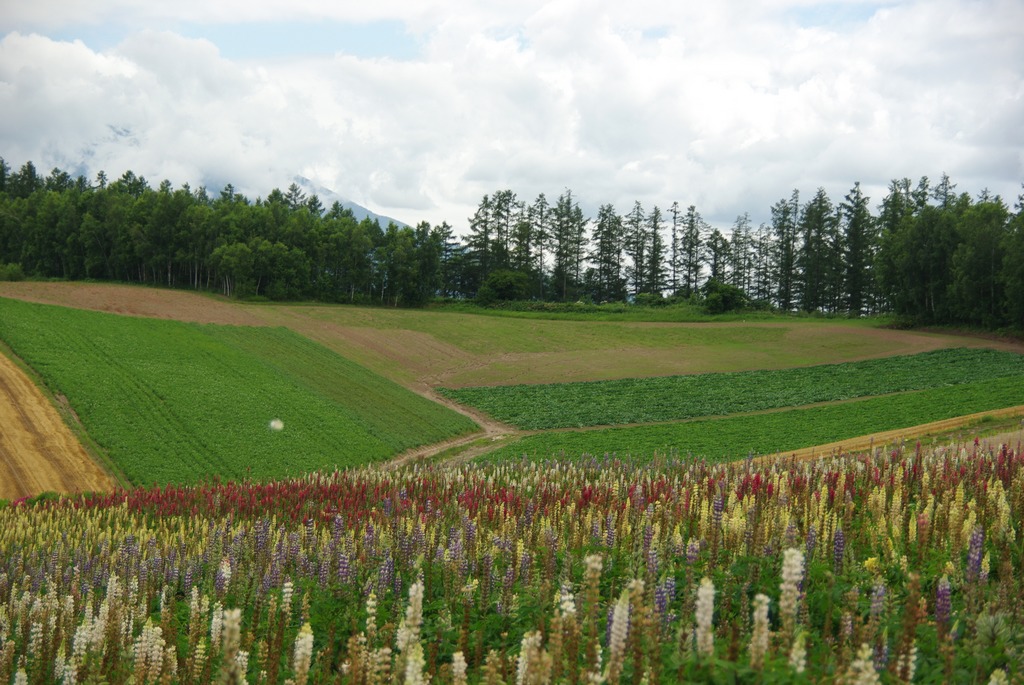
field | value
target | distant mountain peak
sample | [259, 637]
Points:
[328, 197]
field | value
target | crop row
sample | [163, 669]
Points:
[906, 564]
[648, 400]
[737, 437]
[176, 402]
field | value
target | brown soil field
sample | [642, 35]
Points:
[38, 452]
[152, 303]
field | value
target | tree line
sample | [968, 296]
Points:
[928, 253]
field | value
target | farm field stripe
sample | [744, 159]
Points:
[773, 432]
[649, 400]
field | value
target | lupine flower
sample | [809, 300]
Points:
[303, 654]
[838, 549]
[792, 577]
[943, 604]
[704, 614]
[862, 669]
[458, 669]
[617, 640]
[974, 554]
[798, 653]
[998, 677]
[759, 638]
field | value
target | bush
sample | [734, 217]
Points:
[504, 285]
[721, 297]
[11, 272]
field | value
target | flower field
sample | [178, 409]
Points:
[667, 398]
[902, 566]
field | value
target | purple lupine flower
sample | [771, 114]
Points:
[881, 656]
[717, 508]
[974, 554]
[386, 574]
[524, 567]
[812, 541]
[652, 562]
[791, 532]
[324, 574]
[692, 550]
[878, 600]
[664, 595]
[648, 538]
[508, 580]
[609, 533]
[838, 549]
[343, 571]
[943, 603]
[337, 528]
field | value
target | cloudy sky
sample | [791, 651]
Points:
[417, 108]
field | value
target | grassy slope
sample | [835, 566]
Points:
[645, 400]
[473, 349]
[772, 432]
[183, 402]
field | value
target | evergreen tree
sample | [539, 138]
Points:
[568, 246]
[786, 241]
[741, 255]
[654, 279]
[860, 240]
[718, 256]
[692, 250]
[607, 256]
[635, 247]
[817, 260]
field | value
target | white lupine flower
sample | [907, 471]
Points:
[792, 575]
[617, 640]
[458, 669]
[798, 654]
[862, 670]
[567, 603]
[759, 639]
[529, 645]
[216, 627]
[998, 677]
[303, 654]
[705, 613]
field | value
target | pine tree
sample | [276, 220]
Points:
[860, 239]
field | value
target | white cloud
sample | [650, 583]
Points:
[726, 105]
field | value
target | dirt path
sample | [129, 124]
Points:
[38, 452]
[936, 428]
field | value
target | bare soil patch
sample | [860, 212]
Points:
[38, 452]
[154, 303]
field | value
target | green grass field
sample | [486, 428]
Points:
[648, 400]
[175, 402]
[772, 432]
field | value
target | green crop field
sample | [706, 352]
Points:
[768, 433]
[647, 400]
[176, 402]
